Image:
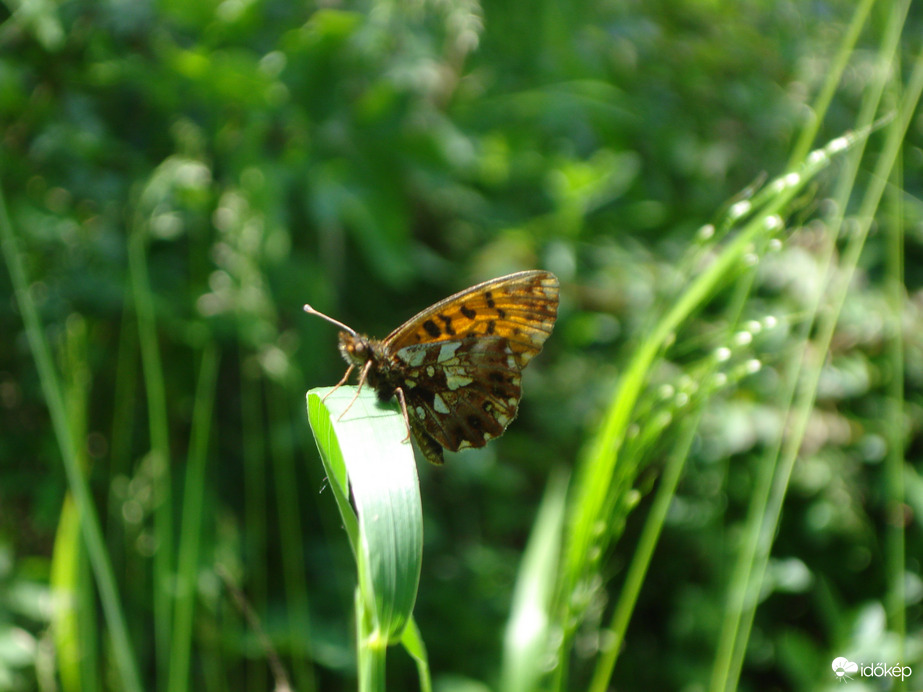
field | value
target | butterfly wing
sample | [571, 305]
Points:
[461, 394]
[460, 360]
[520, 307]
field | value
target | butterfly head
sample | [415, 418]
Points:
[356, 348]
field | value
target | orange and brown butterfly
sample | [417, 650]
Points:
[456, 367]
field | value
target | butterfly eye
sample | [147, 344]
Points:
[356, 349]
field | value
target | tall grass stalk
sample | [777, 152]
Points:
[802, 380]
[122, 434]
[293, 561]
[160, 444]
[76, 480]
[605, 473]
[808, 134]
[75, 621]
[527, 632]
[641, 559]
[895, 417]
[191, 526]
[253, 445]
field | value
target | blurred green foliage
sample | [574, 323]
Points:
[371, 158]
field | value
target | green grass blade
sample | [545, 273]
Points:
[160, 444]
[526, 641]
[255, 461]
[802, 382]
[641, 560]
[75, 621]
[413, 645]
[279, 405]
[372, 649]
[895, 460]
[832, 83]
[370, 466]
[76, 480]
[601, 463]
[193, 500]
[65, 584]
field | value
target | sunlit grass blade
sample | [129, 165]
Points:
[803, 384]
[834, 72]
[527, 637]
[373, 476]
[604, 472]
[75, 620]
[65, 585]
[767, 500]
[641, 560]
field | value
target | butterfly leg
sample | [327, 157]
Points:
[339, 384]
[400, 397]
[362, 376]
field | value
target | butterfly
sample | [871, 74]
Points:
[456, 367]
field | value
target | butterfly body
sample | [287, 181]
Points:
[456, 366]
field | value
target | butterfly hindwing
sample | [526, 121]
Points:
[464, 393]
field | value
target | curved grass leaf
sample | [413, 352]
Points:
[373, 476]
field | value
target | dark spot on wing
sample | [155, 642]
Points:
[501, 313]
[490, 327]
[496, 376]
[475, 422]
[489, 297]
[432, 329]
[468, 312]
[448, 324]
[418, 395]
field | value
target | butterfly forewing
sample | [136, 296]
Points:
[521, 307]
[461, 359]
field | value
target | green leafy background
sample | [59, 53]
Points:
[181, 177]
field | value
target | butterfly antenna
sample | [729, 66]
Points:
[311, 311]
